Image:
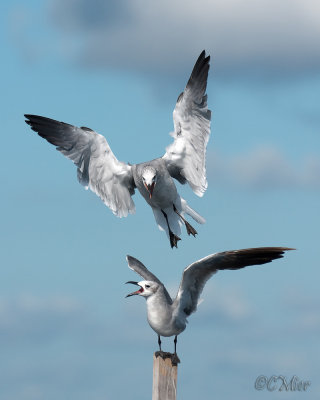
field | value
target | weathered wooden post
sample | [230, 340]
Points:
[165, 373]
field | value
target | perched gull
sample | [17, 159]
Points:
[115, 181]
[168, 317]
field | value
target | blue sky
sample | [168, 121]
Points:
[66, 329]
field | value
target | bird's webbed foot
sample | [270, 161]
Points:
[173, 239]
[175, 360]
[190, 229]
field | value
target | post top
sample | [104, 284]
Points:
[164, 355]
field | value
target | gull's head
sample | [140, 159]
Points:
[149, 179]
[147, 288]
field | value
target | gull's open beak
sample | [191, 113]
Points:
[138, 291]
[150, 188]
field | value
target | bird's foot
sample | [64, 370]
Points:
[190, 229]
[175, 360]
[173, 357]
[173, 239]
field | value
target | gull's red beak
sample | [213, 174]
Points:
[150, 188]
[136, 292]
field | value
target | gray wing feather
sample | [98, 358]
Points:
[98, 168]
[143, 271]
[185, 157]
[196, 275]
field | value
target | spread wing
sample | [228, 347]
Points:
[143, 271]
[196, 275]
[98, 168]
[185, 157]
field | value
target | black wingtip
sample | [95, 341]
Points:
[27, 118]
[199, 74]
[281, 250]
[32, 116]
[203, 58]
[33, 119]
[265, 254]
[254, 256]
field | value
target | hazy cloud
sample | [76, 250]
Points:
[33, 320]
[274, 37]
[264, 169]
[84, 15]
[304, 310]
[225, 305]
[61, 366]
[52, 348]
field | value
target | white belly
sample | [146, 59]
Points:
[161, 319]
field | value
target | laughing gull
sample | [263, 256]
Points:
[115, 181]
[168, 317]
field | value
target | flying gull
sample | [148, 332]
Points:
[168, 317]
[115, 181]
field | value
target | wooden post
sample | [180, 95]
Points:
[165, 372]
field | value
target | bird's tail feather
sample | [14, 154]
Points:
[190, 211]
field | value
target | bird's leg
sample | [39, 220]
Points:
[159, 342]
[175, 344]
[173, 238]
[190, 229]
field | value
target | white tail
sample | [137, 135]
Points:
[188, 210]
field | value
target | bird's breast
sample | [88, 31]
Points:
[160, 317]
[164, 193]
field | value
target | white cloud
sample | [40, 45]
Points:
[264, 168]
[224, 305]
[32, 319]
[56, 347]
[305, 311]
[243, 36]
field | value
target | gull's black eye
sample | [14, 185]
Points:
[147, 286]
